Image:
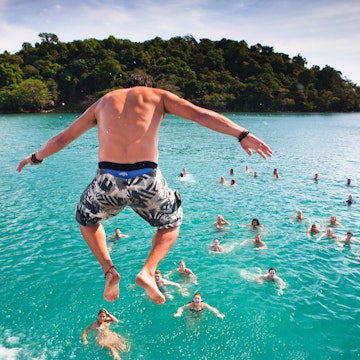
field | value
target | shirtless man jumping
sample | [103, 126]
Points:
[128, 122]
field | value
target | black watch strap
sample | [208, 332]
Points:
[243, 135]
[35, 160]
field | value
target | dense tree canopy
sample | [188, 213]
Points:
[223, 75]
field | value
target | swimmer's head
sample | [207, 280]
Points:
[157, 275]
[182, 264]
[272, 273]
[255, 222]
[257, 238]
[197, 298]
[102, 315]
[102, 311]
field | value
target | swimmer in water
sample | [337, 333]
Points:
[350, 200]
[348, 240]
[113, 238]
[328, 234]
[118, 234]
[334, 221]
[313, 230]
[163, 283]
[216, 247]
[197, 305]
[183, 271]
[255, 224]
[276, 174]
[104, 337]
[299, 216]
[271, 276]
[316, 177]
[220, 222]
[258, 243]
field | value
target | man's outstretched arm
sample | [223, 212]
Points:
[84, 123]
[215, 121]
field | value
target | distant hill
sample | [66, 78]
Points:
[223, 75]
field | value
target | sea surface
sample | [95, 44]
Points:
[52, 286]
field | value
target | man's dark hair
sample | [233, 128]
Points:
[139, 80]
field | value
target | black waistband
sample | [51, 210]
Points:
[127, 167]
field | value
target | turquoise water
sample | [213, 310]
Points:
[51, 286]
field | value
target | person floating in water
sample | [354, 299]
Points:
[349, 200]
[276, 174]
[197, 305]
[334, 221]
[221, 222]
[271, 276]
[115, 237]
[348, 240]
[183, 271]
[313, 230]
[163, 283]
[104, 336]
[299, 216]
[216, 247]
[128, 172]
[258, 243]
[328, 234]
[255, 224]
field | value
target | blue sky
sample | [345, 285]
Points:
[324, 32]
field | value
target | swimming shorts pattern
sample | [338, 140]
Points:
[148, 195]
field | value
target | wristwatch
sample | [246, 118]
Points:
[35, 160]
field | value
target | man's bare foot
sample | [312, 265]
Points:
[111, 292]
[147, 282]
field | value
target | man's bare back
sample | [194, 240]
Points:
[128, 123]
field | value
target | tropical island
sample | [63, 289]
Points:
[223, 75]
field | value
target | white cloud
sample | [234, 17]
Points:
[322, 32]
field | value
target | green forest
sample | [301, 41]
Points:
[223, 75]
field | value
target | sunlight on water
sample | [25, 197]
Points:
[52, 285]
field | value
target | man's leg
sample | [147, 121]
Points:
[95, 237]
[162, 242]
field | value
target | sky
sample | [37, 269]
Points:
[324, 32]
